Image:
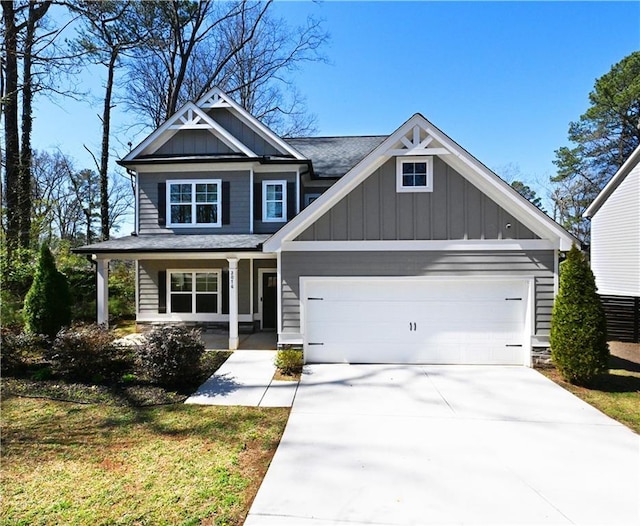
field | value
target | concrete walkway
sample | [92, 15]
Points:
[246, 379]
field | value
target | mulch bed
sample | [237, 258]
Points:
[132, 394]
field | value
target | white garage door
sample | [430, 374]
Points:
[378, 320]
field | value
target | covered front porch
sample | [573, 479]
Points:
[225, 284]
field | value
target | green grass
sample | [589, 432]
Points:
[68, 463]
[616, 394]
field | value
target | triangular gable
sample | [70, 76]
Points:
[193, 116]
[216, 98]
[615, 181]
[189, 117]
[418, 136]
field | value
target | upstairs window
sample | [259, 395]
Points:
[194, 203]
[414, 174]
[274, 201]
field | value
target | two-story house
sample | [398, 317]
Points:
[398, 248]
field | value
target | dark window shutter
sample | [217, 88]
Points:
[225, 291]
[162, 204]
[257, 202]
[226, 202]
[162, 291]
[291, 201]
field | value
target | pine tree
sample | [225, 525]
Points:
[578, 327]
[47, 306]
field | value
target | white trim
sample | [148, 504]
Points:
[283, 185]
[529, 280]
[412, 245]
[271, 137]
[279, 301]
[261, 273]
[234, 285]
[251, 287]
[428, 187]
[419, 151]
[136, 266]
[297, 191]
[200, 317]
[209, 255]
[615, 181]
[556, 272]
[251, 211]
[193, 292]
[136, 212]
[194, 203]
[463, 162]
[102, 294]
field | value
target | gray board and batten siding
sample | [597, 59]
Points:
[455, 210]
[535, 263]
[204, 142]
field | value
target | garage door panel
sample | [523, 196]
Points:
[415, 321]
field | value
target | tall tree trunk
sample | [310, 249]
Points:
[104, 155]
[11, 143]
[35, 13]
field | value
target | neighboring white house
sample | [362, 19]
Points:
[615, 248]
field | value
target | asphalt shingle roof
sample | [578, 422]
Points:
[177, 243]
[335, 156]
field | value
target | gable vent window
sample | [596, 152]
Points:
[274, 201]
[414, 174]
[194, 203]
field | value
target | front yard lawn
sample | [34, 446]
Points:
[616, 393]
[70, 463]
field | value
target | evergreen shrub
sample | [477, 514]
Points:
[578, 326]
[47, 305]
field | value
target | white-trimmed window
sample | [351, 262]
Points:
[194, 203]
[194, 291]
[274, 201]
[414, 174]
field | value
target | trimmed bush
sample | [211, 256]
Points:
[86, 353]
[47, 307]
[289, 362]
[578, 326]
[18, 350]
[171, 356]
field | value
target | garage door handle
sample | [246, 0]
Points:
[316, 299]
[513, 345]
[315, 343]
[513, 299]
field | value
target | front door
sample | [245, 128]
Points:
[269, 300]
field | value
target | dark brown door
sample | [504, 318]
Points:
[269, 300]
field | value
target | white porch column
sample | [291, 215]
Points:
[102, 287]
[233, 303]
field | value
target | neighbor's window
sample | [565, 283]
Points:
[274, 201]
[194, 203]
[414, 174]
[194, 291]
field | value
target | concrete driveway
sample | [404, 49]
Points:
[387, 444]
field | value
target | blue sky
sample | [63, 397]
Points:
[503, 79]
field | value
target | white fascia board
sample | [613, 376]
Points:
[162, 134]
[253, 123]
[615, 181]
[172, 256]
[474, 245]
